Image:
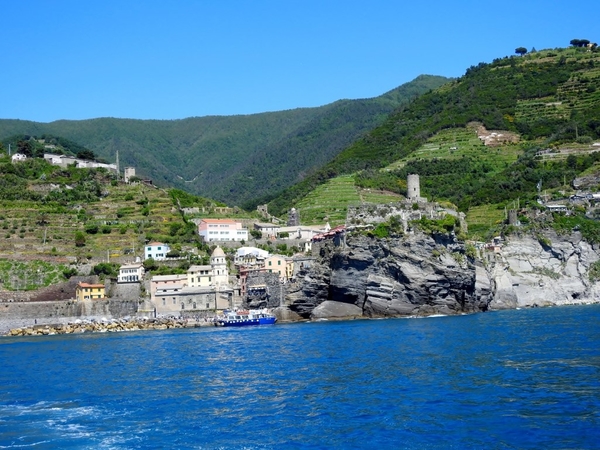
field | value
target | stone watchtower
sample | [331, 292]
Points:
[413, 188]
[129, 174]
[293, 218]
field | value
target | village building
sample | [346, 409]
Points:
[304, 232]
[166, 283]
[222, 230]
[281, 265]
[64, 161]
[156, 250]
[200, 276]
[250, 256]
[18, 157]
[131, 273]
[89, 291]
[267, 229]
[203, 288]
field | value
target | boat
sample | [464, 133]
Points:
[246, 318]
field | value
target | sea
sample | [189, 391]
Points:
[520, 379]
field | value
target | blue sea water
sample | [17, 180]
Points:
[513, 379]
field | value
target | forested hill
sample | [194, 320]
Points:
[545, 97]
[233, 159]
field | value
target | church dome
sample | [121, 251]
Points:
[218, 252]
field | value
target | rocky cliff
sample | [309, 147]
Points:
[421, 274]
[544, 271]
[413, 275]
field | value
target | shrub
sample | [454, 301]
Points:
[79, 239]
[91, 228]
[594, 272]
[110, 269]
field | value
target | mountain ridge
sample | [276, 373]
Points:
[229, 157]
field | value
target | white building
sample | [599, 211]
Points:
[267, 229]
[250, 256]
[131, 273]
[18, 157]
[222, 230]
[156, 250]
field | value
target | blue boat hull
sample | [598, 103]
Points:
[247, 322]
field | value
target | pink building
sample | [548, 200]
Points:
[222, 230]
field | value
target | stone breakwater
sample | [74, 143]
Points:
[110, 326]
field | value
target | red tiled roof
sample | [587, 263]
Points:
[218, 221]
[88, 285]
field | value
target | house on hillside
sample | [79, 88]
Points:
[250, 256]
[222, 230]
[65, 161]
[267, 229]
[89, 291]
[18, 157]
[281, 265]
[131, 273]
[156, 250]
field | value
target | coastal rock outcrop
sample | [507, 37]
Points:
[544, 271]
[417, 274]
[420, 274]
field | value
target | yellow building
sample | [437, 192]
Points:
[87, 291]
[280, 265]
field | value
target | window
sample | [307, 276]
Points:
[164, 302]
[279, 262]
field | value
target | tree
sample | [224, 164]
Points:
[79, 239]
[150, 264]
[521, 51]
[86, 154]
[579, 42]
[25, 148]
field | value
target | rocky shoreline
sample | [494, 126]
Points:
[108, 326]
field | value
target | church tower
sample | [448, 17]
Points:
[219, 267]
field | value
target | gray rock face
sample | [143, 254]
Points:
[413, 275]
[424, 275]
[528, 273]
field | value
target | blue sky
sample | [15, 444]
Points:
[151, 59]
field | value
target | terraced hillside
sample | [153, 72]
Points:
[545, 105]
[56, 222]
[114, 227]
[329, 202]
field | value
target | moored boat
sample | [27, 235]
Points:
[246, 318]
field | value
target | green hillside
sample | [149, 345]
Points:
[235, 159]
[547, 101]
[57, 222]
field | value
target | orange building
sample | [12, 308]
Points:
[87, 291]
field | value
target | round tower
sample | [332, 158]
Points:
[413, 189]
